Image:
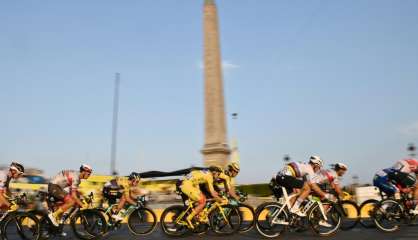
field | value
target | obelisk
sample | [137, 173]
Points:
[216, 150]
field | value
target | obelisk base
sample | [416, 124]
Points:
[216, 155]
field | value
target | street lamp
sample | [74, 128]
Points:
[286, 158]
[411, 148]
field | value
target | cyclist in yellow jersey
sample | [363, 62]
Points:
[226, 178]
[130, 193]
[190, 187]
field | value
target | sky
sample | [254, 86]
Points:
[338, 79]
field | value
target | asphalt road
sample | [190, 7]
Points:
[359, 233]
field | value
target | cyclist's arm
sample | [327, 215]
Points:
[402, 189]
[3, 200]
[317, 189]
[231, 191]
[212, 191]
[337, 189]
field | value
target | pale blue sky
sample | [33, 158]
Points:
[337, 79]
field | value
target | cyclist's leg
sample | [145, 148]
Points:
[59, 194]
[306, 190]
[122, 201]
[290, 183]
[415, 191]
[196, 196]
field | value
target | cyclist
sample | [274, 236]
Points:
[56, 188]
[393, 180]
[129, 194]
[296, 175]
[14, 172]
[226, 177]
[190, 187]
[324, 179]
[112, 191]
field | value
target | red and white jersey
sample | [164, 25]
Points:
[67, 178]
[406, 165]
[4, 180]
[298, 170]
[325, 176]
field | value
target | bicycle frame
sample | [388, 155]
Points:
[285, 200]
[210, 206]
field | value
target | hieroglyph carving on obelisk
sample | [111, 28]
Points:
[216, 150]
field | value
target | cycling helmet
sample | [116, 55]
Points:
[17, 167]
[215, 169]
[413, 164]
[234, 166]
[316, 161]
[86, 168]
[340, 166]
[134, 176]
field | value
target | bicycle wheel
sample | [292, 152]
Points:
[88, 224]
[142, 221]
[271, 219]
[388, 215]
[322, 226]
[351, 215]
[225, 220]
[247, 213]
[366, 213]
[22, 225]
[46, 227]
[170, 224]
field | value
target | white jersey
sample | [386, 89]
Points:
[67, 178]
[4, 180]
[298, 170]
[406, 166]
[326, 176]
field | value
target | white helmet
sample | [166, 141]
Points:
[339, 166]
[86, 168]
[316, 161]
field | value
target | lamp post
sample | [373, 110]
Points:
[411, 148]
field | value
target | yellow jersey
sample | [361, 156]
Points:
[197, 177]
[225, 179]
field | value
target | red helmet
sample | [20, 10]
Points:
[413, 164]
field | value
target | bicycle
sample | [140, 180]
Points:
[141, 220]
[83, 222]
[366, 210]
[248, 222]
[222, 218]
[390, 213]
[349, 209]
[18, 222]
[274, 218]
